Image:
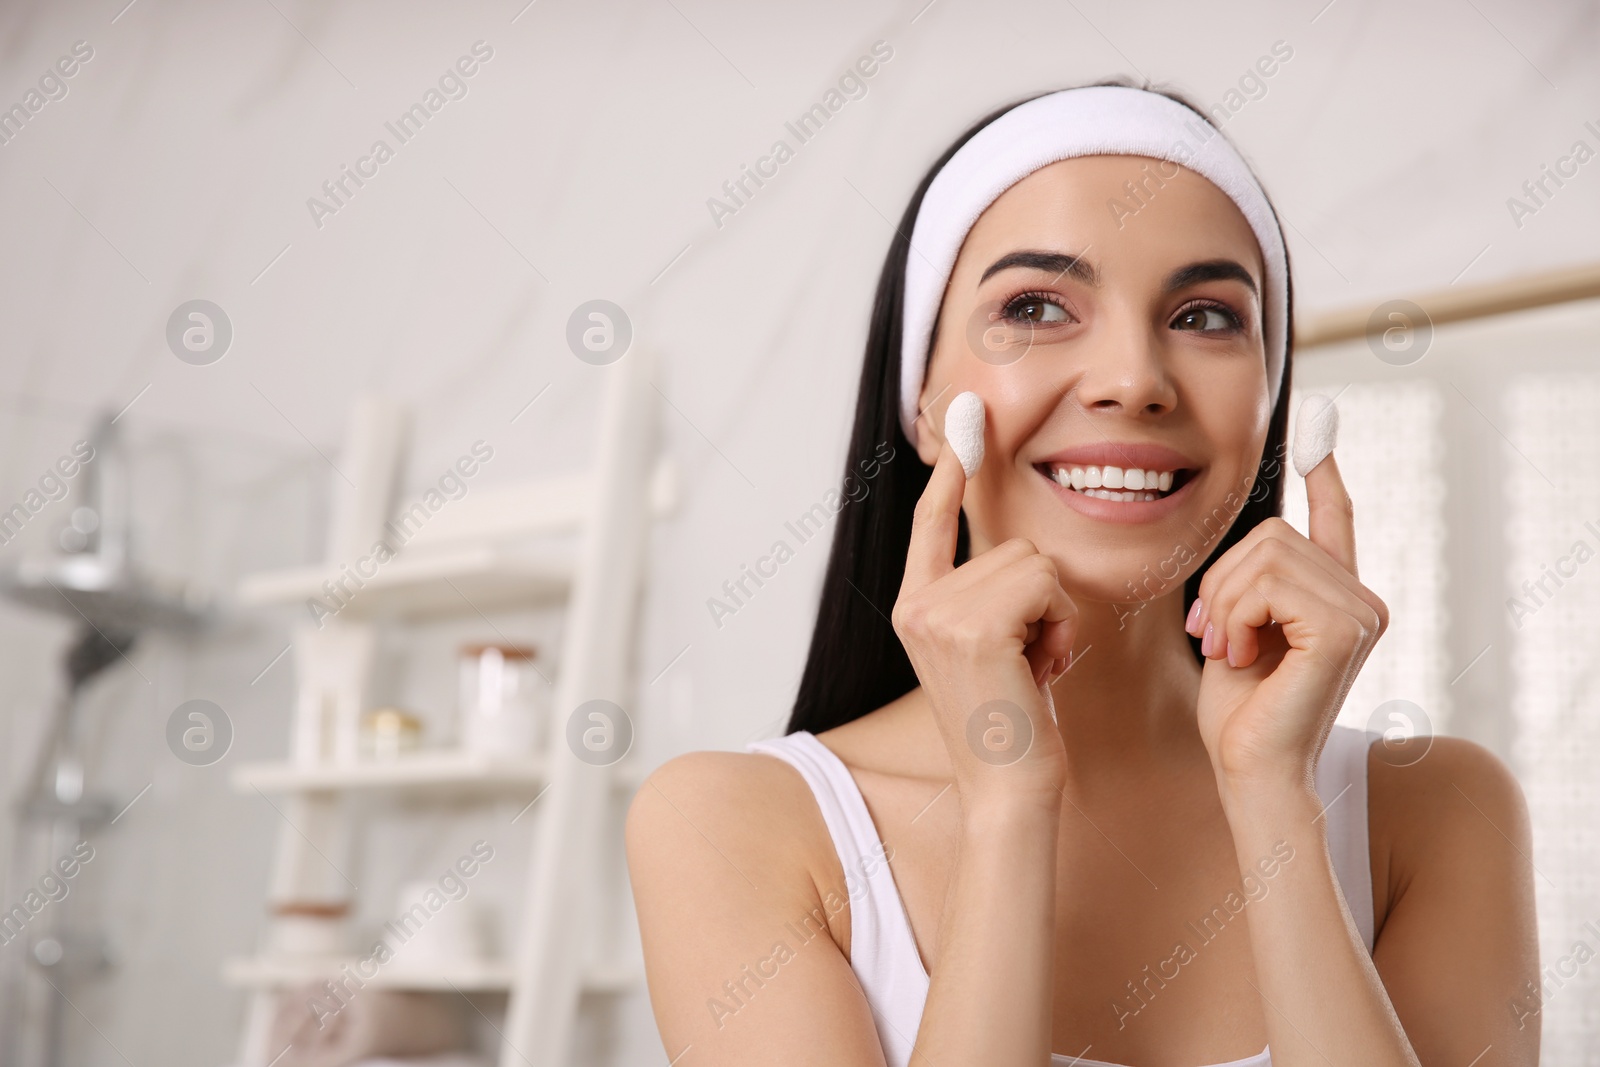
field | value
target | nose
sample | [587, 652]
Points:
[1125, 371]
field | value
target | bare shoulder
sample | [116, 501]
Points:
[725, 850]
[718, 778]
[738, 817]
[1441, 803]
[1425, 783]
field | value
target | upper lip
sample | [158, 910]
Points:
[1128, 455]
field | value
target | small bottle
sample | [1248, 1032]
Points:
[501, 700]
[388, 733]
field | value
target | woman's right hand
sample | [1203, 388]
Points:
[986, 639]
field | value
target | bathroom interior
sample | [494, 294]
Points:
[363, 540]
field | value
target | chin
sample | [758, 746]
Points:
[1126, 583]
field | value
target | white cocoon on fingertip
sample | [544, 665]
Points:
[1316, 431]
[963, 428]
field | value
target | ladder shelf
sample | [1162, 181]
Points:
[575, 542]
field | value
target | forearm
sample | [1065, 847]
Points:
[989, 999]
[1320, 993]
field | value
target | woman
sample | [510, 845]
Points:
[1062, 783]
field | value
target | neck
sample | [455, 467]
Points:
[1129, 696]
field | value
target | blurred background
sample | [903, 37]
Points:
[289, 287]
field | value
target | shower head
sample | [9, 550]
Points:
[96, 580]
[108, 598]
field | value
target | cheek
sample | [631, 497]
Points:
[1232, 408]
[1237, 437]
[1017, 400]
[1251, 431]
[1239, 428]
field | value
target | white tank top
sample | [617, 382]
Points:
[883, 951]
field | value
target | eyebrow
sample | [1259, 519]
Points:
[1076, 266]
[1212, 270]
[1058, 263]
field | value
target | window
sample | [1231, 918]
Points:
[1477, 504]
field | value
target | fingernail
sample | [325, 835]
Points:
[1231, 663]
[1194, 617]
[1206, 641]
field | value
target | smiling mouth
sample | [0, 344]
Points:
[1126, 485]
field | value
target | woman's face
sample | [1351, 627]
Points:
[1102, 332]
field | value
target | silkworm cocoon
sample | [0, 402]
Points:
[1315, 433]
[963, 428]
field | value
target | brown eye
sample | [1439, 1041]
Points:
[1203, 319]
[1035, 310]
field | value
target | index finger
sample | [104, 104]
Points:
[936, 522]
[1331, 521]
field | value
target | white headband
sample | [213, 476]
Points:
[1100, 120]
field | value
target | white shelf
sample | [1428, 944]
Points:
[497, 548]
[267, 972]
[419, 583]
[489, 976]
[514, 546]
[438, 769]
[435, 770]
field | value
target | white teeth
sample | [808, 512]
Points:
[1122, 496]
[1095, 481]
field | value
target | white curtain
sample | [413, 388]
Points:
[1553, 534]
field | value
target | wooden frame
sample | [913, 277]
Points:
[1460, 304]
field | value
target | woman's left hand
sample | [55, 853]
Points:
[1286, 625]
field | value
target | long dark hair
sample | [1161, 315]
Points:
[856, 663]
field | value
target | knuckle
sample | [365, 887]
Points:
[1372, 626]
[908, 624]
[926, 513]
[1271, 551]
[1041, 581]
[910, 615]
[969, 632]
